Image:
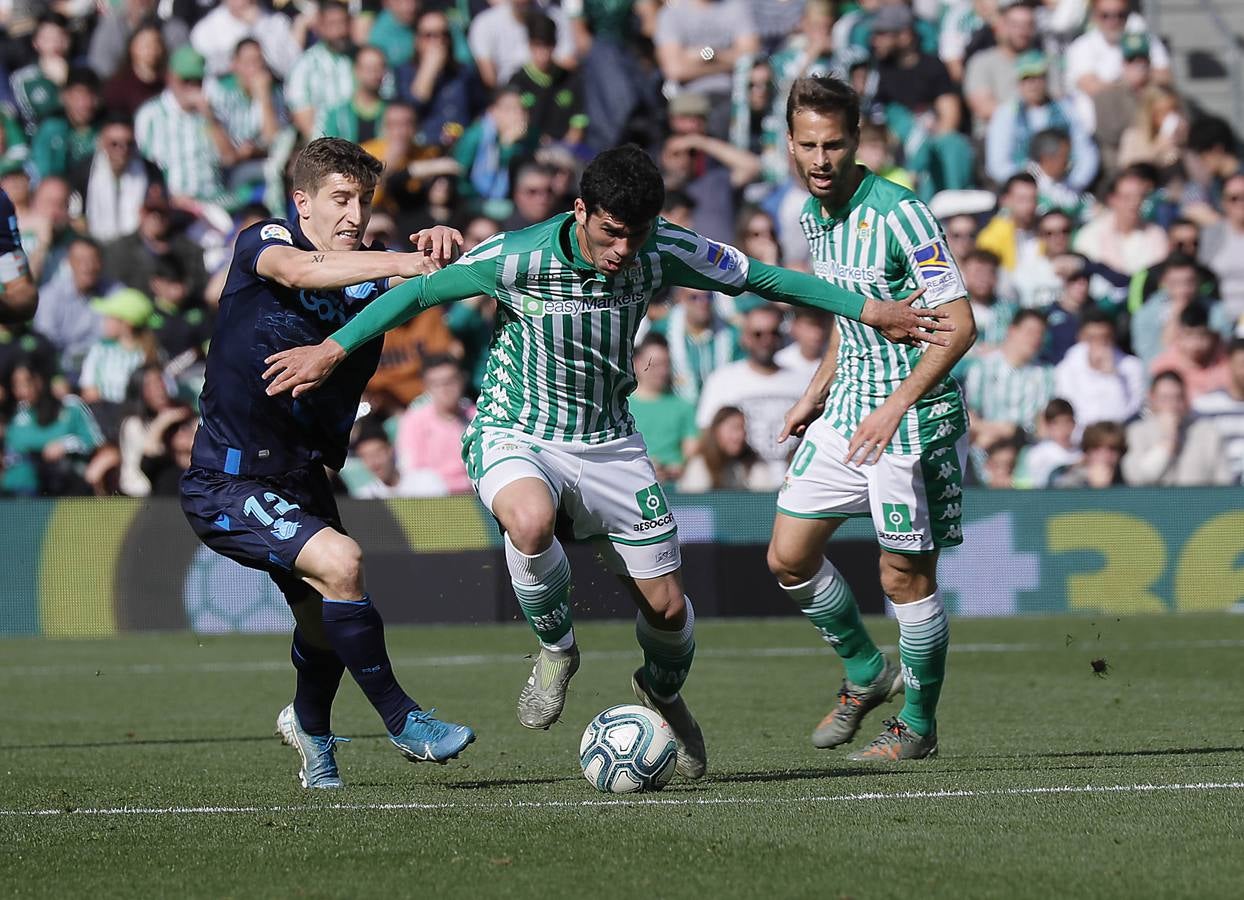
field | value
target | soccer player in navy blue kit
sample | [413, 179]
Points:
[20, 294]
[256, 490]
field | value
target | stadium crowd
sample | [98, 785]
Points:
[1096, 212]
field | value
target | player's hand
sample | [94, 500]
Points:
[904, 323]
[302, 369]
[441, 242]
[874, 435]
[805, 411]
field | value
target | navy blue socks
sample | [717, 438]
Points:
[356, 632]
[319, 674]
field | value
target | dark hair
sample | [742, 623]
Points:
[714, 458]
[1104, 434]
[988, 257]
[80, 76]
[625, 183]
[369, 428]
[334, 156]
[47, 405]
[1178, 261]
[1194, 315]
[436, 360]
[1181, 222]
[652, 339]
[1236, 345]
[85, 239]
[1057, 407]
[1023, 315]
[115, 117]
[330, 5]
[676, 198]
[1046, 142]
[169, 267]
[541, 30]
[1095, 315]
[1018, 178]
[1210, 133]
[237, 48]
[1168, 375]
[52, 18]
[824, 94]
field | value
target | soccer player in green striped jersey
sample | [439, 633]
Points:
[553, 433]
[883, 426]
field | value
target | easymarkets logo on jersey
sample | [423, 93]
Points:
[534, 306]
[831, 268]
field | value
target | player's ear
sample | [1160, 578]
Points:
[580, 212]
[302, 203]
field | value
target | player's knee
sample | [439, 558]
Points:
[904, 579]
[667, 608]
[530, 531]
[791, 568]
[342, 564]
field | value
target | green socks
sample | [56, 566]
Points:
[923, 636]
[828, 603]
[667, 654]
[542, 585]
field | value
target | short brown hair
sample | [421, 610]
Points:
[824, 94]
[334, 156]
[1104, 434]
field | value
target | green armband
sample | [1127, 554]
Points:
[801, 289]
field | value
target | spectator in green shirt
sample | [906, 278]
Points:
[36, 87]
[65, 142]
[358, 120]
[49, 441]
[666, 422]
[393, 32]
[491, 144]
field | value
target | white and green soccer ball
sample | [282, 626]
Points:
[628, 748]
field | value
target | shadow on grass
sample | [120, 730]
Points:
[1079, 754]
[139, 742]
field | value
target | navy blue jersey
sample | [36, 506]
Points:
[246, 432]
[12, 258]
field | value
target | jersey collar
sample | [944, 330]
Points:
[566, 249]
[300, 239]
[837, 215]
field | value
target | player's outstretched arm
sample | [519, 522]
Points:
[877, 430]
[327, 270]
[303, 369]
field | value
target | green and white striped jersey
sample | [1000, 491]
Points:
[885, 244]
[998, 392]
[180, 144]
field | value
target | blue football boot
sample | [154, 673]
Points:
[428, 739]
[319, 766]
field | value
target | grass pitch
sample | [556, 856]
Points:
[145, 766]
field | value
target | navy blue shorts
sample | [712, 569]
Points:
[262, 523]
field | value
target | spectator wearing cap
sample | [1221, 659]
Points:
[921, 103]
[217, 34]
[1213, 157]
[440, 89]
[179, 132]
[1225, 409]
[991, 77]
[1194, 351]
[36, 87]
[393, 31]
[552, 96]
[1101, 382]
[112, 183]
[1167, 446]
[1009, 140]
[1095, 59]
[66, 315]
[125, 345]
[132, 259]
[498, 39]
[358, 119]
[323, 76]
[699, 341]
[64, 142]
[1222, 248]
[1118, 237]
[117, 25]
[1115, 106]
[698, 43]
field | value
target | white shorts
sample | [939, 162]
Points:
[915, 500]
[609, 491]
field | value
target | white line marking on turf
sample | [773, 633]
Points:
[637, 801]
[489, 659]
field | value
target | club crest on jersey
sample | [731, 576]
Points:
[933, 261]
[275, 232]
[864, 232]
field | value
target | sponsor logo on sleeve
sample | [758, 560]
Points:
[275, 232]
[721, 256]
[933, 261]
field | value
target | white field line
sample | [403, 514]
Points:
[490, 659]
[871, 796]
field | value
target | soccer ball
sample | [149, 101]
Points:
[628, 748]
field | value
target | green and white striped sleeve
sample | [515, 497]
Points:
[918, 244]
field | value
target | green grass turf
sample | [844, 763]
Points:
[174, 720]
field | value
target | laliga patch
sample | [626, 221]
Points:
[275, 232]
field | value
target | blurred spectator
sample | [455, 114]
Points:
[756, 235]
[51, 227]
[1010, 235]
[876, 151]
[1101, 382]
[498, 39]
[552, 96]
[1062, 318]
[1006, 390]
[179, 132]
[66, 315]
[1195, 354]
[1040, 285]
[125, 345]
[1118, 237]
[1102, 447]
[961, 232]
[1185, 239]
[1159, 131]
[1213, 157]
[358, 119]
[809, 334]
[399, 376]
[150, 411]
[132, 259]
[1155, 324]
[699, 341]
[1225, 409]
[37, 87]
[117, 25]
[698, 43]
[322, 78]
[179, 321]
[758, 386]
[726, 461]
[533, 196]
[373, 448]
[492, 144]
[246, 102]
[429, 434]
[1115, 106]
[113, 181]
[21, 344]
[141, 78]
[1167, 446]
[471, 321]
[409, 168]
[1222, 247]
[217, 34]
[1001, 458]
[393, 31]
[166, 450]
[993, 314]
[1095, 59]
[1051, 153]
[49, 440]
[1054, 450]
[922, 105]
[438, 86]
[666, 421]
[62, 143]
[964, 25]
[679, 209]
[991, 77]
